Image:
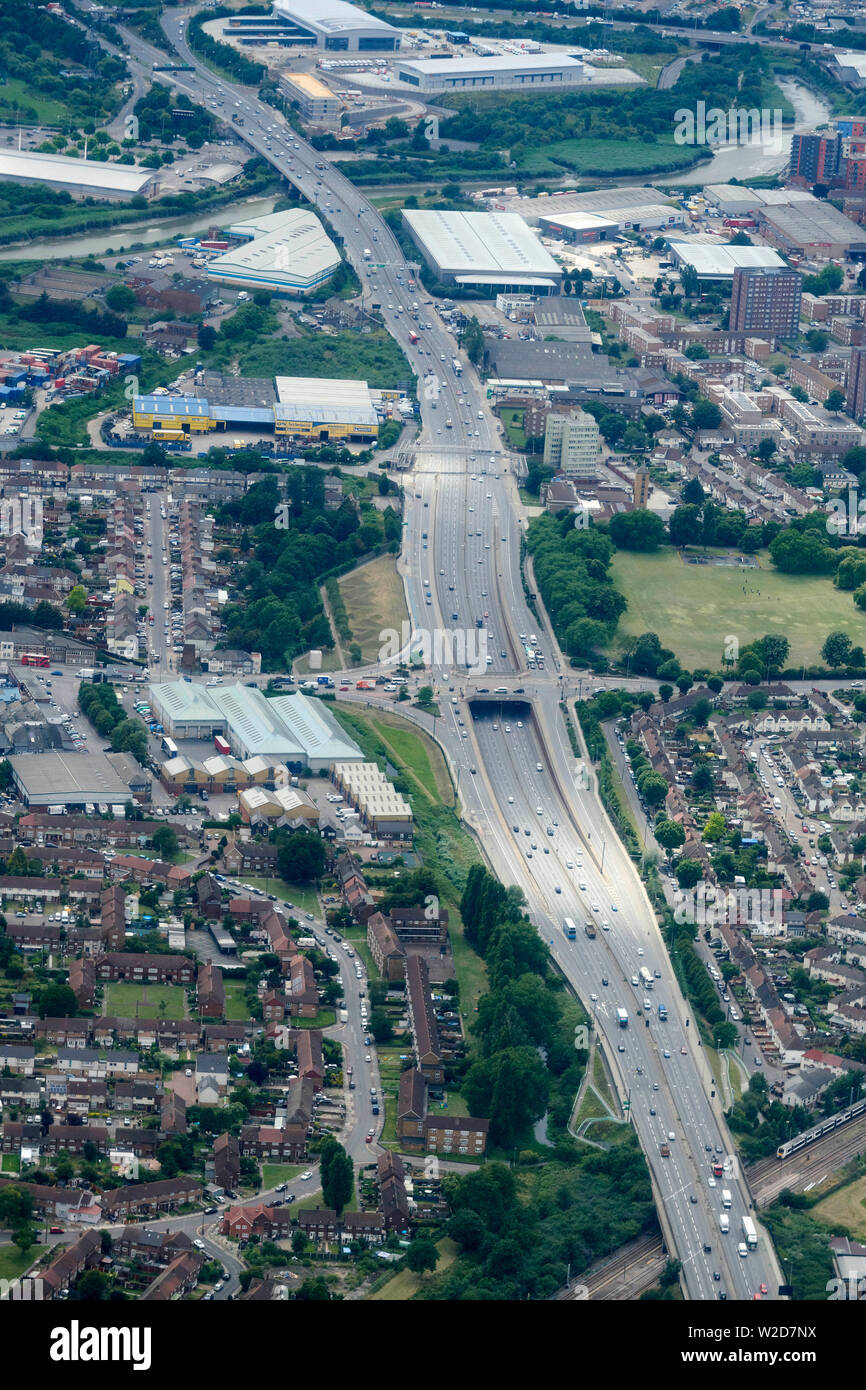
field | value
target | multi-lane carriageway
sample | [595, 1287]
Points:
[470, 574]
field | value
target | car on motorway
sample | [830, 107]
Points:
[666, 1053]
[620, 1047]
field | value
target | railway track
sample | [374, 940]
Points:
[770, 1176]
[622, 1276]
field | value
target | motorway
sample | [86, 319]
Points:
[504, 777]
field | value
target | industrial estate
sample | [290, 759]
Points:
[433, 662]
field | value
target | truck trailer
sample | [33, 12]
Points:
[750, 1233]
[622, 1018]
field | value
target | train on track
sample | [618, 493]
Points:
[811, 1136]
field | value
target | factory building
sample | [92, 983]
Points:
[321, 408]
[285, 252]
[338, 27]
[570, 216]
[490, 250]
[528, 72]
[293, 729]
[84, 178]
[714, 261]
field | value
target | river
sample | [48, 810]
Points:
[135, 233]
[754, 159]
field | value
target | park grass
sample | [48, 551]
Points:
[274, 1173]
[237, 1009]
[13, 1263]
[374, 599]
[405, 1284]
[846, 1208]
[123, 1000]
[512, 421]
[303, 897]
[694, 607]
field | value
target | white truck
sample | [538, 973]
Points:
[622, 1018]
[724, 1223]
[344, 1016]
[367, 253]
[750, 1233]
[726, 1198]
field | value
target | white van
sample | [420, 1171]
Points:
[742, 1250]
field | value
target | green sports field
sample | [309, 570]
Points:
[694, 608]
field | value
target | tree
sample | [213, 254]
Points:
[120, 299]
[164, 841]
[685, 526]
[836, 650]
[652, 787]
[58, 1001]
[693, 493]
[380, 1026]
[835, 401]
[301, 856]
[422, 1255]
[669, 834]
[92, 1287]
[689, 872]
[337, 1174]
[706, 415]
[774, 650]
[638, 530]
[76, 599]
[715, 826]
[23, 1237]
[207, 337]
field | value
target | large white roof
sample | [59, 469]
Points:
[724, 260]
[59, 168]
[292, 245]
[330, 16]
[500, 62]
[489, 243]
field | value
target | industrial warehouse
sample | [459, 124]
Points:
[338, 27]
[490, 250]
[503, 72]
[83, 178]
[322, 408]
[597, 215]
[69, 782]
[285, 252]
[292, 729]
[713, 261]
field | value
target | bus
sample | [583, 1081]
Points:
[169, 747]
[570, 929]
[34, 659]
[646, 978]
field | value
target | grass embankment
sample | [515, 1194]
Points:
[374, 599]
[405, 1284]
[440, 839]
[692, 607]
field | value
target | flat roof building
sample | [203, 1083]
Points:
[307, 407]
[339, 27]
[812, 228]
[718, 262]
[324, 407]
[483, 248]
[288, 252]
[88, 177]
[315, 101]
[766, 299]
[631, 209]
[501, 72]
[70, 781]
